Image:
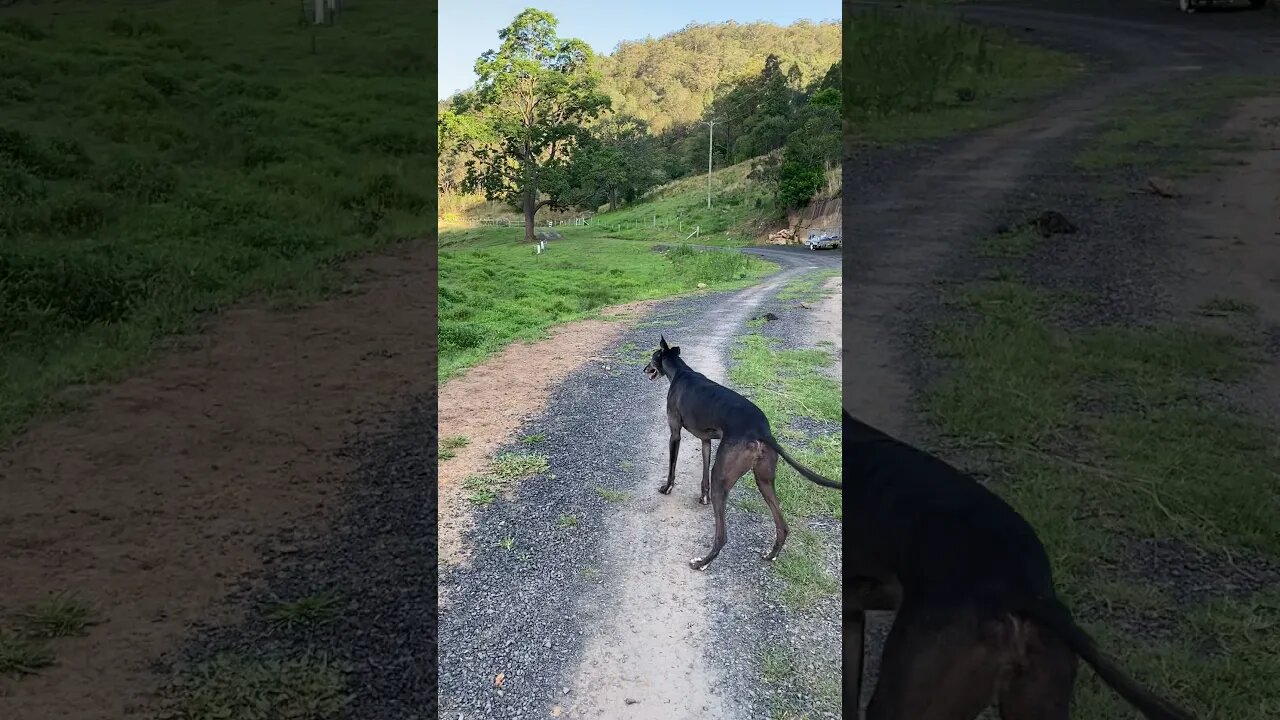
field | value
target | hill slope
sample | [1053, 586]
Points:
[670, 80]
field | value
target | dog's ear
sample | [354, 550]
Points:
[662, 342]
[675, 351]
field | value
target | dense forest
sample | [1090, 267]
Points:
[773, 93]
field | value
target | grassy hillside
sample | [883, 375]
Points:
[200, 152]
[494, 289]
[670, 80]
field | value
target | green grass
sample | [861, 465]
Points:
[800, 566]
[787, 385]
[567, 521]
[307, 612]
[504, 471]
[613, 496]
[918, 75]
[201, 154]
[1108, 433]
[511, 466]
[776, 665]
[24, 637]
[246, 687]
[1227, 306]
[58, 616]
[449, 446]
[808, 287]
[1164, 132]
[22, 655]
[483, 489]
[1014, 243]
[494, 290]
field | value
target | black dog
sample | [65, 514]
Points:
[978, 617]
[714, 412]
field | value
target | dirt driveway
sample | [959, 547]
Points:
[914, 218]
[578, 600]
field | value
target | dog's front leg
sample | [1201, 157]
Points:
[671, 466]
[706, 472]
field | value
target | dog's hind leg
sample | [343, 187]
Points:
[733, 460]
[939, 663]
[706, 472]
[674, 446]
[1039, 688]
[766, 468]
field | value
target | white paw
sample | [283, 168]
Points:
[696, 564]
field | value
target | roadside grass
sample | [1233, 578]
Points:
[207, 154]
[307, 612]
[1108, 434]
[246, 687]
[613, 496]
[22, 655]
[494, 290]
[1010, 244]
[59, 616]
[800, 566]
[504, 470]
[917, 74]
[25, 646]
[808, 287]
[778, 667]
[790, 387]
[1164, 132]
[1227, 306]
[511, 466]
[449, 446]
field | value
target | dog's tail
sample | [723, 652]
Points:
[1054, 615]
[811, 475]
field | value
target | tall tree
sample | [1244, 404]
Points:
[618, 162]
[534, 95]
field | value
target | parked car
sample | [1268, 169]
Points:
[822, 241]
[1190, 6]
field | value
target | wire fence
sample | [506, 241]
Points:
[665, 224]
[519, 222]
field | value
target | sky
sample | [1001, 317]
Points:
[470, 27]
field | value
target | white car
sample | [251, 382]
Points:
[822, 241]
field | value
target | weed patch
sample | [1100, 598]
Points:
[308, 612]
[56, 617]
[254, 688]
[1109, 433]
[20, 655]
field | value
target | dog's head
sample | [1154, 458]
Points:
[655, 369]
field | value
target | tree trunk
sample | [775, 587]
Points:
[613, 199]
[530, 207]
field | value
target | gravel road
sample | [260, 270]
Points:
[600, 616]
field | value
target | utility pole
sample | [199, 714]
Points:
[710, 146]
